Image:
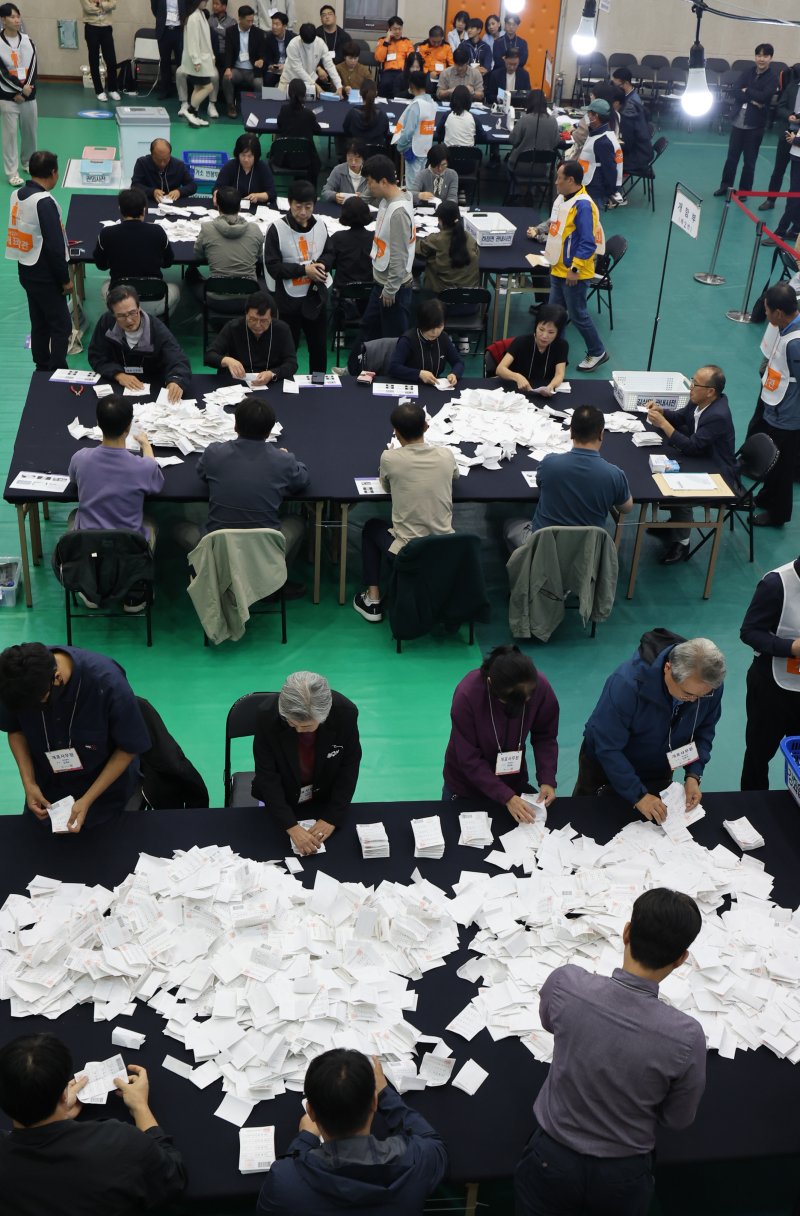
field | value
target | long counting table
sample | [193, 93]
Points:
[748, 1105]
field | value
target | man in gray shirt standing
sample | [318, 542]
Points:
[393, 245]
[623, 1064]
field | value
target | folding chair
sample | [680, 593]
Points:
[616, 248]
[105, 566]
[533, 173]
[755, 460]
[467, 163]
[150, 291]
[646, 176]
[343, 319]
[241, 724]
[472, 315]
[234, 293]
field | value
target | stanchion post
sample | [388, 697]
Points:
[742, 316]
[708, 276]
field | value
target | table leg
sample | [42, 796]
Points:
[23, 548]
[507, 311]
[343, 552]
[36, 531]
[317, 550]
[712, 561]
[471, 1199]
[77, 277]
[46, 510]
[640, 530]
[496, 283]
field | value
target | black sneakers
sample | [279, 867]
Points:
[369, 610]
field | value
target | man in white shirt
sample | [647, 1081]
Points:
[304, 55]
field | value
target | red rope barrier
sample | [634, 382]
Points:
[737, 197]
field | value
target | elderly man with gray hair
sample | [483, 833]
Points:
[307, 755]
[657, 713]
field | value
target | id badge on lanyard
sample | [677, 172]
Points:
[681, 756]
[130, 370]
[508, 762]
[306, 793]
[64, 760]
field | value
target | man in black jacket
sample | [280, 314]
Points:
[702, 428]
[506, 75]
[133, 348]
[256, 347]
[170, 18]
[245, 57]
[37, 243]
[277, 42]
[307, 755]
[162, 176]
[634, 130]
[135, 249]
[51, 1162]
[787, 109]
[754, 91]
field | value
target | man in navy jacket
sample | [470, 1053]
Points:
[702, 428]
[661, 701]
[754, 90]
[335, 1164]
[498, 77]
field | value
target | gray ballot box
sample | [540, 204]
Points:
[138, 126]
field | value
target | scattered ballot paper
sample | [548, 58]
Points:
[256, 1149]
[476, 829]
[676, 825]
[436, 1069]
[101, 1074]
[234, 1110]
[122, 1037]
[530, 476]
[470, 1078]
[428, 838]
[60, 813]
[373, 838]
[744, 834]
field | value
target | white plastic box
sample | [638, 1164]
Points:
[490, 230]
[669, 390]
[9, 581]
[96, 172]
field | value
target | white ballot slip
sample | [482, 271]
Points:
[131, 1039]
[40, 483]
[256, 1149]
[101, 1074]
[530, 476]
[476, 829]
[60, 813]
[470, 1078]
[234, 1110]
[306, 823]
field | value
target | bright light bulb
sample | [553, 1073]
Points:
[584, 40]
[697, 99]
[514, 6]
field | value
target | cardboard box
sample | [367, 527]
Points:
[490, 229]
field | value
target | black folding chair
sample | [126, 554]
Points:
[755, 460]
[105, 566]
[646, 176]
[616, 248]
[532, 174]
[467, 313]
[149, 290]
[240, 724]
[346, 319]
[467, 163]
[232, 295]
[293, 157]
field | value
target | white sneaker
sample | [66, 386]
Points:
[115, 96]
[184, 109]
[213, 112]
[194, 120]
[102, 96]
[87, 603]
[16, 180]
[592, 361]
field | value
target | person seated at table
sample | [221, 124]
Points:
[112, 482]
[336, 1161]
[162, 176]
[245, 57]
[305, 56]
[464, 74]
[669, 693]
[307, 755]
[423, 352]
[74, 729]
[414, 63]
[510, 77]
[133, 248]
[510, 40]
[703, 428]
[53, 1162]
[250, 176]
[296, 121]
[437, 54]
[390, 54]
[297, 262]
[352, 247]
[257, 346]
[134, 349]
[624, 1064]
[347, 179]
[538, 361]
[495, 710]
[451, 254]
[352, 72]
[436, 182]
[457, 129]
[480, 52]
[231, 245]
[535, 131]
[420, 479]
[577, 489]
[278, 40]
[367, 122]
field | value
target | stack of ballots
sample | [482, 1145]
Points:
[476, 829]
[373, 839]
[428, 838]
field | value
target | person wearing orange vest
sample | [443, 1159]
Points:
[391, 54]
[36, 242]
[415, 128]
[772, 627]
[601, 157]
[437, 55]
[393, 246]
[778, 411]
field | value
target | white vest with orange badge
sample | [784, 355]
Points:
[302, 247]
[559, 218]
[776, 378]
[24, 240]
[588, 160]
[786, 671]
[380, 242]
[422, 139]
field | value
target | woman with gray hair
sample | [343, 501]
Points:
[307, 755]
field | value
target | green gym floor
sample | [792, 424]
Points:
[404, 700]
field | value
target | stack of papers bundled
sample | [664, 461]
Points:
[476, 829]
[646, 439]
[428, 838]
[101, 1074]
[256, 1149]
[373, 838]
[744, 834]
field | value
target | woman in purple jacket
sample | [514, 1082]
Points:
[494, 711]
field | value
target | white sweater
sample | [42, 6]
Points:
[302, 60]
[198, 53]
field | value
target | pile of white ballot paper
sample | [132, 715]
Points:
[373, 840]
[254, 974]
[476, 829]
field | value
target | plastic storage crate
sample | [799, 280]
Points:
[9, 581]
[790, 746]
[669, 390]
[204, 168]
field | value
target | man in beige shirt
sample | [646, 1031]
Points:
[462, 72]
[420, 480]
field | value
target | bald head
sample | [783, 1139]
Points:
[161, 151]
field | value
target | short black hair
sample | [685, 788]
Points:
[394, 21]
[781, 296]
[436, 31]
[330, 6]
[26, 676]
[246, 11]
[765, 48]
[573, 169]
[436, 154]
[416, 80]
[6, 10]
[247, 143]
[588, 424]
[307, 32]
[123, 291]
[254, 417]
[512, 17]
[42, 164]
[430, 314]
[355, 212]
[351, 50]
[622, 73]
[408, 420]
[356, 146]
[511, 53]
[340, 1088]
[260, 301]
[475, 23]
[228, 201]
[282, 17]
[554, 313]
[301, 192]
[508, 667]
[380, 168]
[461, 55]
[132, 202]
[114, 415]
[664, 924]
[35, 1069]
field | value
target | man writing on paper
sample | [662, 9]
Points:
[624, 1064]
[704, 427]
[257, 347]
[134, 349]
[52, 1163]
[335, 1163]
[74, 729]
[657, 713]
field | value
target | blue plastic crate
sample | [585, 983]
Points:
[790, 746]
[205, 167]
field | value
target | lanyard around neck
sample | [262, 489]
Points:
[71, 720]
[494, 728]
[694, 724]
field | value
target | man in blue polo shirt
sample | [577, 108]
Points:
[74, 728]
[576, 488]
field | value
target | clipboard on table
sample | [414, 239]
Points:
[721, 488]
